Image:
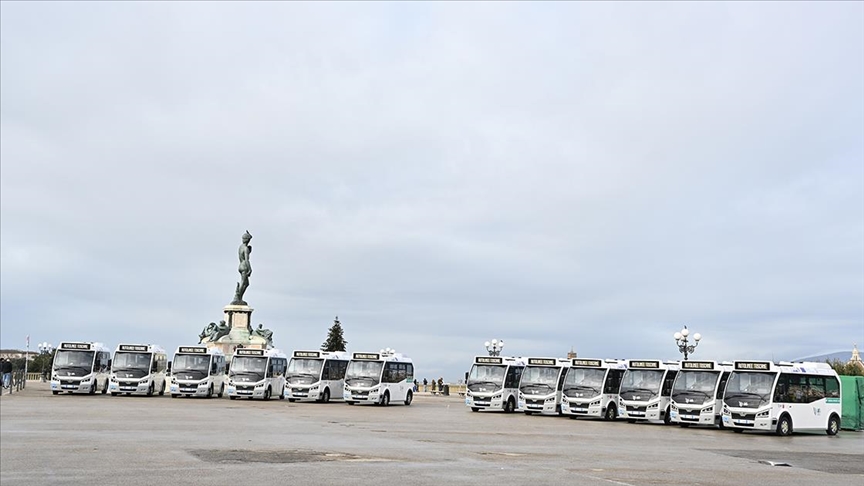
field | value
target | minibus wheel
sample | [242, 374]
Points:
[292, 400]
[55, 392]
[267, 394]
[784, 426]
[833, 425]
[174, 395]
[150, 390]
[409, 398]
[105, 388]
[210, 391]
[510, 406]
[162, 390]
[221, 390]
[326, 397]
[475, 409]
[93, 388]
[232, 397]
[113, 394]
[611, 413]
[385, 400]
[349, 403]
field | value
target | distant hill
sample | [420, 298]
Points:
[843, 356]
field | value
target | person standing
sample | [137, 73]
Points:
[6, 367]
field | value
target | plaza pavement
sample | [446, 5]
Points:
[46, 439]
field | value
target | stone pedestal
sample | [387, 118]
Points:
[239, 318]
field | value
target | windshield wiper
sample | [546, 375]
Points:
[580, 387]
[743, 394]
[72, 367]
[685, 392]
[483, 383]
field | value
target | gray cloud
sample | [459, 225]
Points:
[557, 175]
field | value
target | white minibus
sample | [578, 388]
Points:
[493, 383]
[591, 388]
[256, 373]
[80, 367]
[197, 371]
[645, 390]
[782, 397]
[697, 394]
[381, 378]
[138, 369]
[316, 375]
[541, 384]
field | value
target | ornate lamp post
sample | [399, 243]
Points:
[494, 348]
[684, 345]
[45, 347]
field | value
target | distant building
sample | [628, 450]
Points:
[17, 354]
[856, 358]
[571, 354]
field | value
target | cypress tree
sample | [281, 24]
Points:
[335, 340]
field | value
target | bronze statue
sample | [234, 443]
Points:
[207, 332]
[265, 333]
[245, 269]
[221, 329]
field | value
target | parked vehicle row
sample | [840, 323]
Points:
[381, 378]
[740, 395]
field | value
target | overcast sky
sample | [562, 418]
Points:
[586, 175]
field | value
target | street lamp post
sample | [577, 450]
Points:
[684, 345]
[494, 348]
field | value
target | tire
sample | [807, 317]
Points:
[282, 393]
[292, 400]
[326, 397]
[221, 390]
[409, 398]
[631, 421]
[510, 406]
[150, 390]
[55, 392]
[162, 390]
[174, 395]
[529, 413]
[385, 400]
[232, 397]
[113, 394]
[784, 426]
[93, 388]
[667, 418]
[475, 409]
[350, 403]
[611, 413]
[105, 388]
[267, 394]
[683, 426]
[738, 431]
[210, 391]
[833, 425]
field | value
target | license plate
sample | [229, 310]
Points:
[69, 386]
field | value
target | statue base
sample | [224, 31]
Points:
[239, 318]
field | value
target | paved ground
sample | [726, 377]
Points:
[47, 439]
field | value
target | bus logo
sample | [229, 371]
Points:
[644, 364]
[541, 361]
[132, 347]
[74, 346]
[193, 349]
[697, 365]
[593, 363]
[307, 354]
[367, 356]
[249, 352]
[488, 360]
[752, 365]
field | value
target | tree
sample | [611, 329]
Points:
[335, 340]
[847, 369]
